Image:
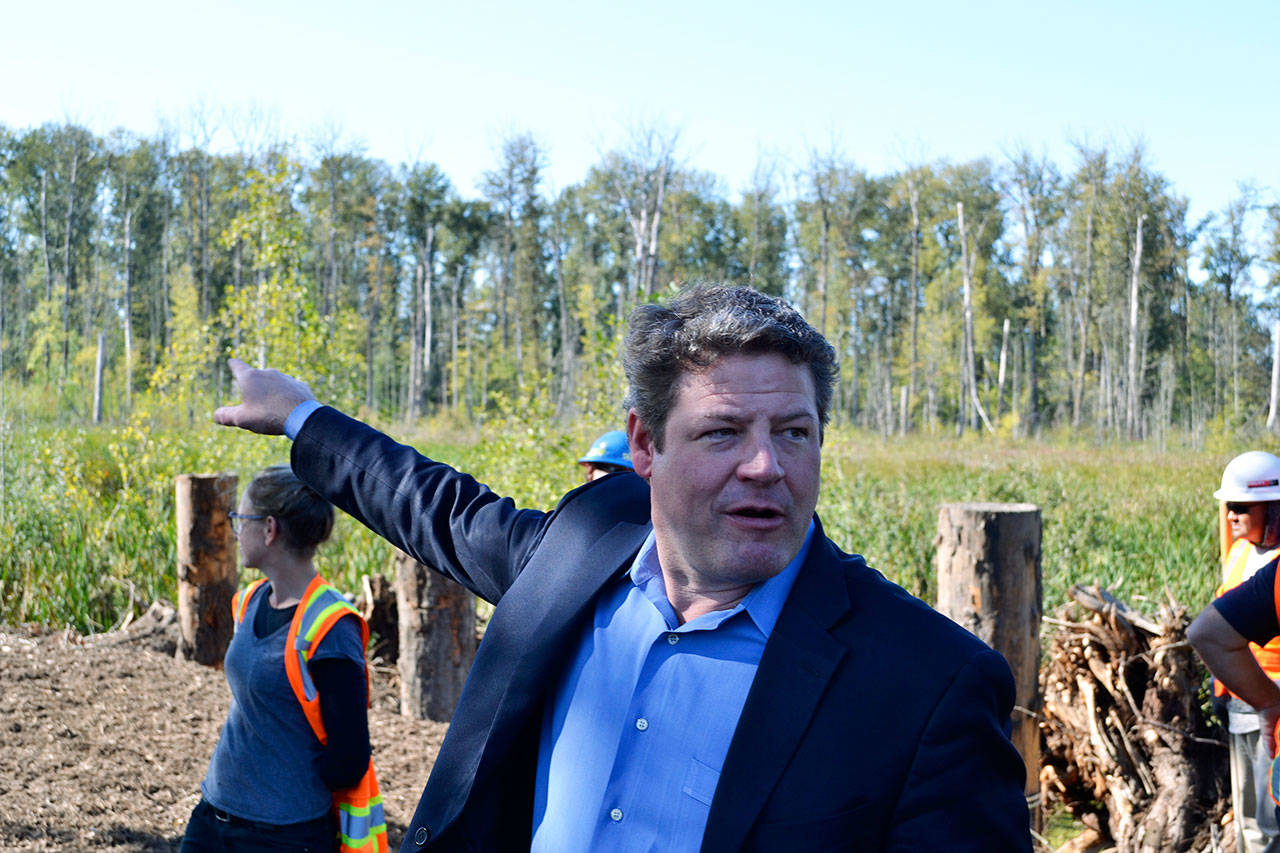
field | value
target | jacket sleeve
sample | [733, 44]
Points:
[965, 785]
[440, 517]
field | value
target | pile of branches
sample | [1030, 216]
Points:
[1128, 745]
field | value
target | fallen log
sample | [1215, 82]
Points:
[1127, 745]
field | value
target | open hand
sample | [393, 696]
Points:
[267, 396]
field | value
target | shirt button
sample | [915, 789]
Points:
[672, 639]
[421, 836]
[642, 723]
[615, 815]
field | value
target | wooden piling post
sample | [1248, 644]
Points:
[207, 573]
[437, 640]
[988, 565]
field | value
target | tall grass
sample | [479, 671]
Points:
[87, 517]
[1131, 518]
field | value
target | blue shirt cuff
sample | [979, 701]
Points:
[302, 411]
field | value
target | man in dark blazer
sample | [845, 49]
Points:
[790, 698]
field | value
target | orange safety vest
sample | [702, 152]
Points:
[1268, 656]
[362, 826]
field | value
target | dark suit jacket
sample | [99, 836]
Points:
[873, 722]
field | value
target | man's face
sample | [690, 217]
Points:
[1248, 521]
[736, 483]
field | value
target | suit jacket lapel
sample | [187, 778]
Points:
[523, 653]
[568, 585]
[797, 664]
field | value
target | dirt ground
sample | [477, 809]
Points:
[104, 740]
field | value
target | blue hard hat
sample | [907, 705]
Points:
[610, 449]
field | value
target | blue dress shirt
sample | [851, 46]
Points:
[637, 730]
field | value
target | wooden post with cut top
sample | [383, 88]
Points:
[988, 564]
[437, 640]
[207, 573]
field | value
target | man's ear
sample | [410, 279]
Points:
[640, 440]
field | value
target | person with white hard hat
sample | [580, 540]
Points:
[1237, 638]
[608, 454]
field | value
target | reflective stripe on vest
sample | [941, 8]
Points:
[362, 825]
[240, 602]
[359, 825]
[321, 606]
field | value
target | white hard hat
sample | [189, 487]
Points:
[1251, 477]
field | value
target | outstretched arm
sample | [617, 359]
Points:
[267, 396]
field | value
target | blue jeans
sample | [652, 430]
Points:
[211, 830]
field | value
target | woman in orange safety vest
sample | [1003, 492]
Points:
[292, 767]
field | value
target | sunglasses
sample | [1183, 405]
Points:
[1240, 508]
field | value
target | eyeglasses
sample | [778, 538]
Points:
[1239, 508]
[238, 519]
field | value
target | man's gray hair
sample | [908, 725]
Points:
[702, 324]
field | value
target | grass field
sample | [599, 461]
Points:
[87, 517]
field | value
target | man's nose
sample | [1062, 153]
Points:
[761, 462]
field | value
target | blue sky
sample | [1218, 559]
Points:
[883, 83]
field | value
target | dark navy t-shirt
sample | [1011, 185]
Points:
[1250, 608]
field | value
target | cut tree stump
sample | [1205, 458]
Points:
[1127, 745]
[988, 565]
[207, 573]
[437, 640]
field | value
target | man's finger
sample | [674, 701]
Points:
[238, 368]
[227, 415]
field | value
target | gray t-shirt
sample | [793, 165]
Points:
[264, 766]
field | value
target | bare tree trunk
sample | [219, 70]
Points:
[640, 230]
[66, 264]
[1131, 411]
[1004, 349]
[98, 364]
[1235, 365]
[1015, 400]
[567, 325]
[651, 264]
[913, 193]
[206, 260]
[970, 365]
[371, 341]
[1103, 415]
[44, 234]
[453, 337]
[413, 392]
[329, 308]
[1275, 374]
[128, 312]
[824, 244]
[1086, 309]
[426, 280]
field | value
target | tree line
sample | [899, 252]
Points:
[1007, 295]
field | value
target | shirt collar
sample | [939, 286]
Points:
[763, 604]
